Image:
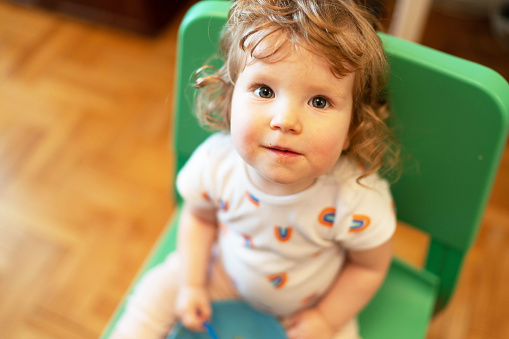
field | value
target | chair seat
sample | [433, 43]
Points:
[408, 295]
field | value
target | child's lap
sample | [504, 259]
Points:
[150, 310]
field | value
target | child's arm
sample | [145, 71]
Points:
[357, 283]
[197, 233]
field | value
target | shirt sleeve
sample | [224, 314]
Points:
[370, 218]
[194, 181]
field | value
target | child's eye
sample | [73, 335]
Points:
[264, 92]
[319, 102]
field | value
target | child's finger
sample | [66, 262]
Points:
[288, 322]
[205, 312]
[192, 320]
[293, 332]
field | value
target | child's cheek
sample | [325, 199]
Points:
[330, 146]
[243, 137]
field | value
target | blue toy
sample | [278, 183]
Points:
[234, 319]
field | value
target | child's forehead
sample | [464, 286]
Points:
[270, 48]
[266, 42]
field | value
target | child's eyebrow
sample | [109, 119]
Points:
[329, 91]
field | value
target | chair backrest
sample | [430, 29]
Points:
[197, 45]
[451, 116]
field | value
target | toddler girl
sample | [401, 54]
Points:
[284, 207]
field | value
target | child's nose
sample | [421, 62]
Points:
[286, 119]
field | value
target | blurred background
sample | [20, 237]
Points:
[86, 163]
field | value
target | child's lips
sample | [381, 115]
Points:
[283, 151]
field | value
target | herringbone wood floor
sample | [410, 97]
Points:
[85, 170]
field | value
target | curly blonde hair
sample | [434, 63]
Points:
[340, 31]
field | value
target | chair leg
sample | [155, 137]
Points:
[409, 19]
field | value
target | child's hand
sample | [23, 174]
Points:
[193, 307]
[308, 324]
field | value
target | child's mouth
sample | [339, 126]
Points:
[283, 151]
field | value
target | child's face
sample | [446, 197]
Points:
[290, 119]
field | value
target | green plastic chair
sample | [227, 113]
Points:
[452, 118]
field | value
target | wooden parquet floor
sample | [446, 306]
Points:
[85, 168]
[86, 164]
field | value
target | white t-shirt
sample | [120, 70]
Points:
[283, 252]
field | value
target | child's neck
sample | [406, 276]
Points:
[274, 188]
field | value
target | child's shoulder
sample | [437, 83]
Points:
[216, 145]
[218, 139]
[346, 173]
